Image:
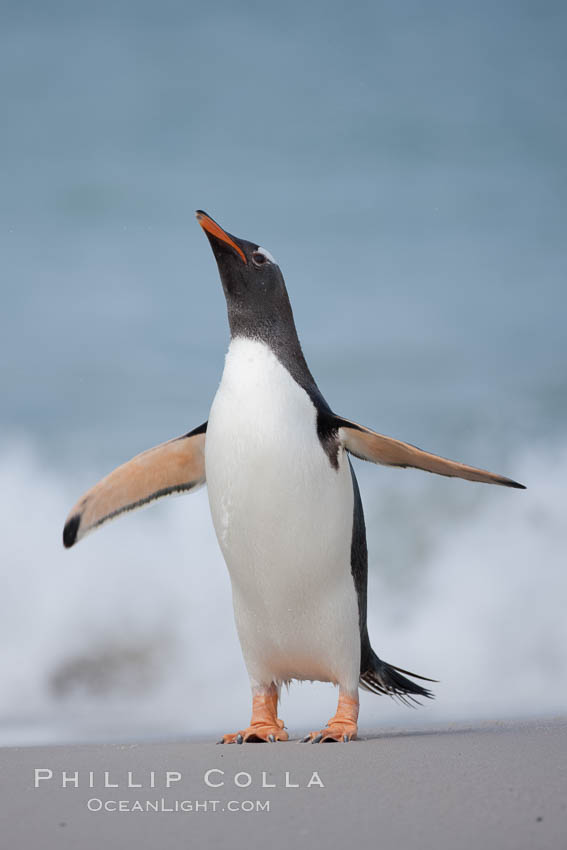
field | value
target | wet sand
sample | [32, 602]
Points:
[501, 785]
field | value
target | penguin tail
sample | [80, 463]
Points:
[383, 678]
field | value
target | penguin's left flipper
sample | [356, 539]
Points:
[368, 445]
[177, 466]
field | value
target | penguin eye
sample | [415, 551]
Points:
[259, 258]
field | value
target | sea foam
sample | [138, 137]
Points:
[131, 633]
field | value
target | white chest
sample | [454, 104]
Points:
[282, 513]
[268, 476]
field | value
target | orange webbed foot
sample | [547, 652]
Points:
[265, 725]
[343, 732]
[341, 727]
[257, 733]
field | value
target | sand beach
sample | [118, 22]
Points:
[499, 785]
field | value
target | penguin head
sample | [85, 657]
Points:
[253, 284]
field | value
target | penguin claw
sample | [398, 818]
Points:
[335, 733]
[256, 735]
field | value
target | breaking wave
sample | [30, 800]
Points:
[131, 634]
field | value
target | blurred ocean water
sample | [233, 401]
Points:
[406, 165]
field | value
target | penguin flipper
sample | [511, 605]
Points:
[174, 467]
[368, 445]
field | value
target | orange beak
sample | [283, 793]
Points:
[213, 228]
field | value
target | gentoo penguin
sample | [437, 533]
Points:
[284, 500]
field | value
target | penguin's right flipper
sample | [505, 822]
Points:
[368, 445]
[177, 466]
